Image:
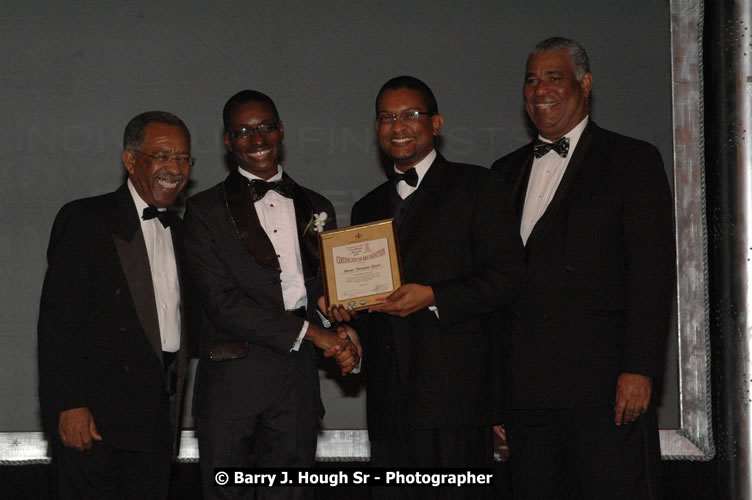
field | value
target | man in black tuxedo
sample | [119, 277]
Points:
[112, 324]
[252, 248]
[587, 341]
[427, 349]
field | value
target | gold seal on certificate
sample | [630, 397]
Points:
[360, 264]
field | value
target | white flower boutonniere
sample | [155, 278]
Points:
[317, 222]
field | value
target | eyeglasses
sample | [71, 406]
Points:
[244, 132]
[164, 159]
[405, 116]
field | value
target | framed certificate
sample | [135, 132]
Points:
[360, 264]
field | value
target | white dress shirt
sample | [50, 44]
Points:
[276, 213]
[164, 274]
[403, 188]
[545, 177]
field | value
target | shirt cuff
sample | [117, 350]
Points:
[356, 370]
[301, 335]
[324, 320]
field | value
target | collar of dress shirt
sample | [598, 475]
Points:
[420, 168]
[573, 135]
[140, 203]
[252, 177]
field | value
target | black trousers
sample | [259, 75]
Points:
[581, 454]
[111, 473]
[283, 435]
[446, 447]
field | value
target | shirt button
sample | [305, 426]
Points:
[271, 204]
[275, 230]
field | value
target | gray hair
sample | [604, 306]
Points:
[133, 138]
[577, 55]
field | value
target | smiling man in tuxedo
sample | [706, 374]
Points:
[427, 352]
[112, 324]
[253, 251]
[587, 337]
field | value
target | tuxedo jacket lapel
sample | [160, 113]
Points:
[237, 190]
[423, 203]
[382, 208]
[131, 248]
[176, 231]
[520, 185]
[308, 238]
[252, 235]
[574, 168]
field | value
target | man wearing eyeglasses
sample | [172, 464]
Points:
[427, 349]
[112, 324]
[253, 251]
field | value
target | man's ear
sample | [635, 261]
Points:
[586, 83]
[437, 121]
[129, 160]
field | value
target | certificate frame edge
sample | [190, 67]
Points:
[395, 238]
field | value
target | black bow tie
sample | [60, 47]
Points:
[165, 216]
[284, 186]
[561, 147]
[410, 176]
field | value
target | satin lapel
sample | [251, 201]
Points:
[176, 231]
[575, 167]
[244, 217]
[382, 208]
[307, 237]
[520, 185]
[424, 204]
[131, 248]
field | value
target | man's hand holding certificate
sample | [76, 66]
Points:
[407, 299]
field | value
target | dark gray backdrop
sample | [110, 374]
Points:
[72, 73]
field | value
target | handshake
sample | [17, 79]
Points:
[344, 344]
